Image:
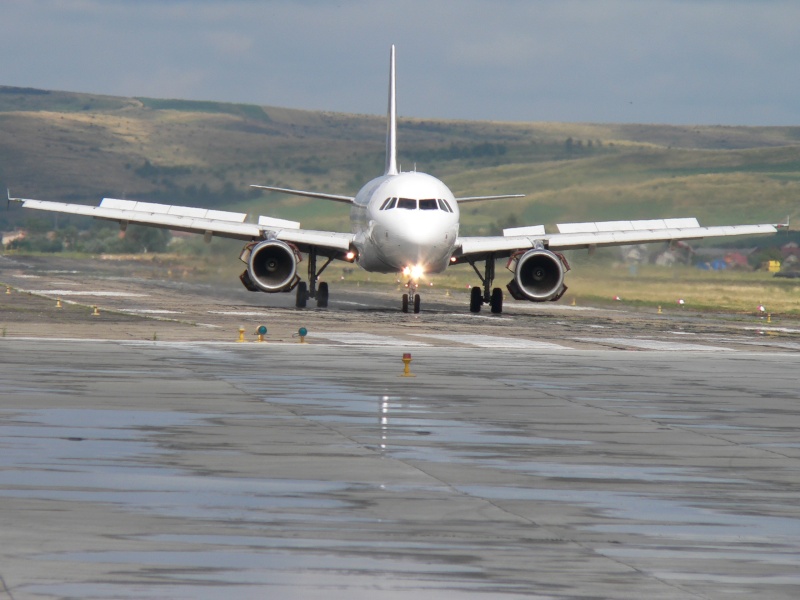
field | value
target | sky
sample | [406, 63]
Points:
[691, 62]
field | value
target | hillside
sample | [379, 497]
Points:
[80, 147]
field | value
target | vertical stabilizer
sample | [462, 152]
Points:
[391, 126]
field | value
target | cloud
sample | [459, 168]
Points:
[674, 61]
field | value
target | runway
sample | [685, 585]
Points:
[145, 301]
[555, 454]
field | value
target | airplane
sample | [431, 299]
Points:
[401, 222]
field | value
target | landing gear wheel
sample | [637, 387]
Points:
[475, 300]
[302, 295]
[322, 295]
[497, 301]
[405, 303]
[417, 301]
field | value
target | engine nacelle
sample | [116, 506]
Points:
[271, 266]
[538, 275]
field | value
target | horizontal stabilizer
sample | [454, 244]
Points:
[321, 195]
[479, 198]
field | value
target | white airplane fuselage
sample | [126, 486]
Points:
[405, 222]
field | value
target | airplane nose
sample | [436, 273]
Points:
[422, 236]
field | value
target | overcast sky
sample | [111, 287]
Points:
[731, 62]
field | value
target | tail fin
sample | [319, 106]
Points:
[391, 127]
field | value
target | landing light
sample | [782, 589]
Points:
[350, 256]
[414, 271]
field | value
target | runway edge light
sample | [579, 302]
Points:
[407, 366]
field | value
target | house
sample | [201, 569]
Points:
[12, 236]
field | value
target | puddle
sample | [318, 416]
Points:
[52, 436]
[285, 567]
[665, 416]
[397, 420]
[659, 517]
[103, 456]
[308, 583]
[629, 473]
[176, 494]
[770, 555]
[150, 311]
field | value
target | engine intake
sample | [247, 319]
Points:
[271, 266]
[538, 275]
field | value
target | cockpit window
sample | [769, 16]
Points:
[427, 204]
[413, 204]
[407, 203]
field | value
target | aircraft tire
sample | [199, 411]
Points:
[497, 301]
[475, 300]
[405, 303]
[302, 295]
[322, 295]
[417, 301]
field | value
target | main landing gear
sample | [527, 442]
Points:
[311, 290]
[486, 295]
[412, 298]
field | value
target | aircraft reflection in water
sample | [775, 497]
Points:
[384, 422]
[401, 222]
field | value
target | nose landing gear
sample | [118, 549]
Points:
[412, 298]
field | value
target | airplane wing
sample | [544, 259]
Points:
[608, 233]
[198, 220]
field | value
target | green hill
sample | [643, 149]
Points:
[81, 147]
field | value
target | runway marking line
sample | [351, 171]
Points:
[648, 344]
[367, 339]
[492, 341]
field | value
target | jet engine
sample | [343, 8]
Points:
[538, 275]
[271, 266]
